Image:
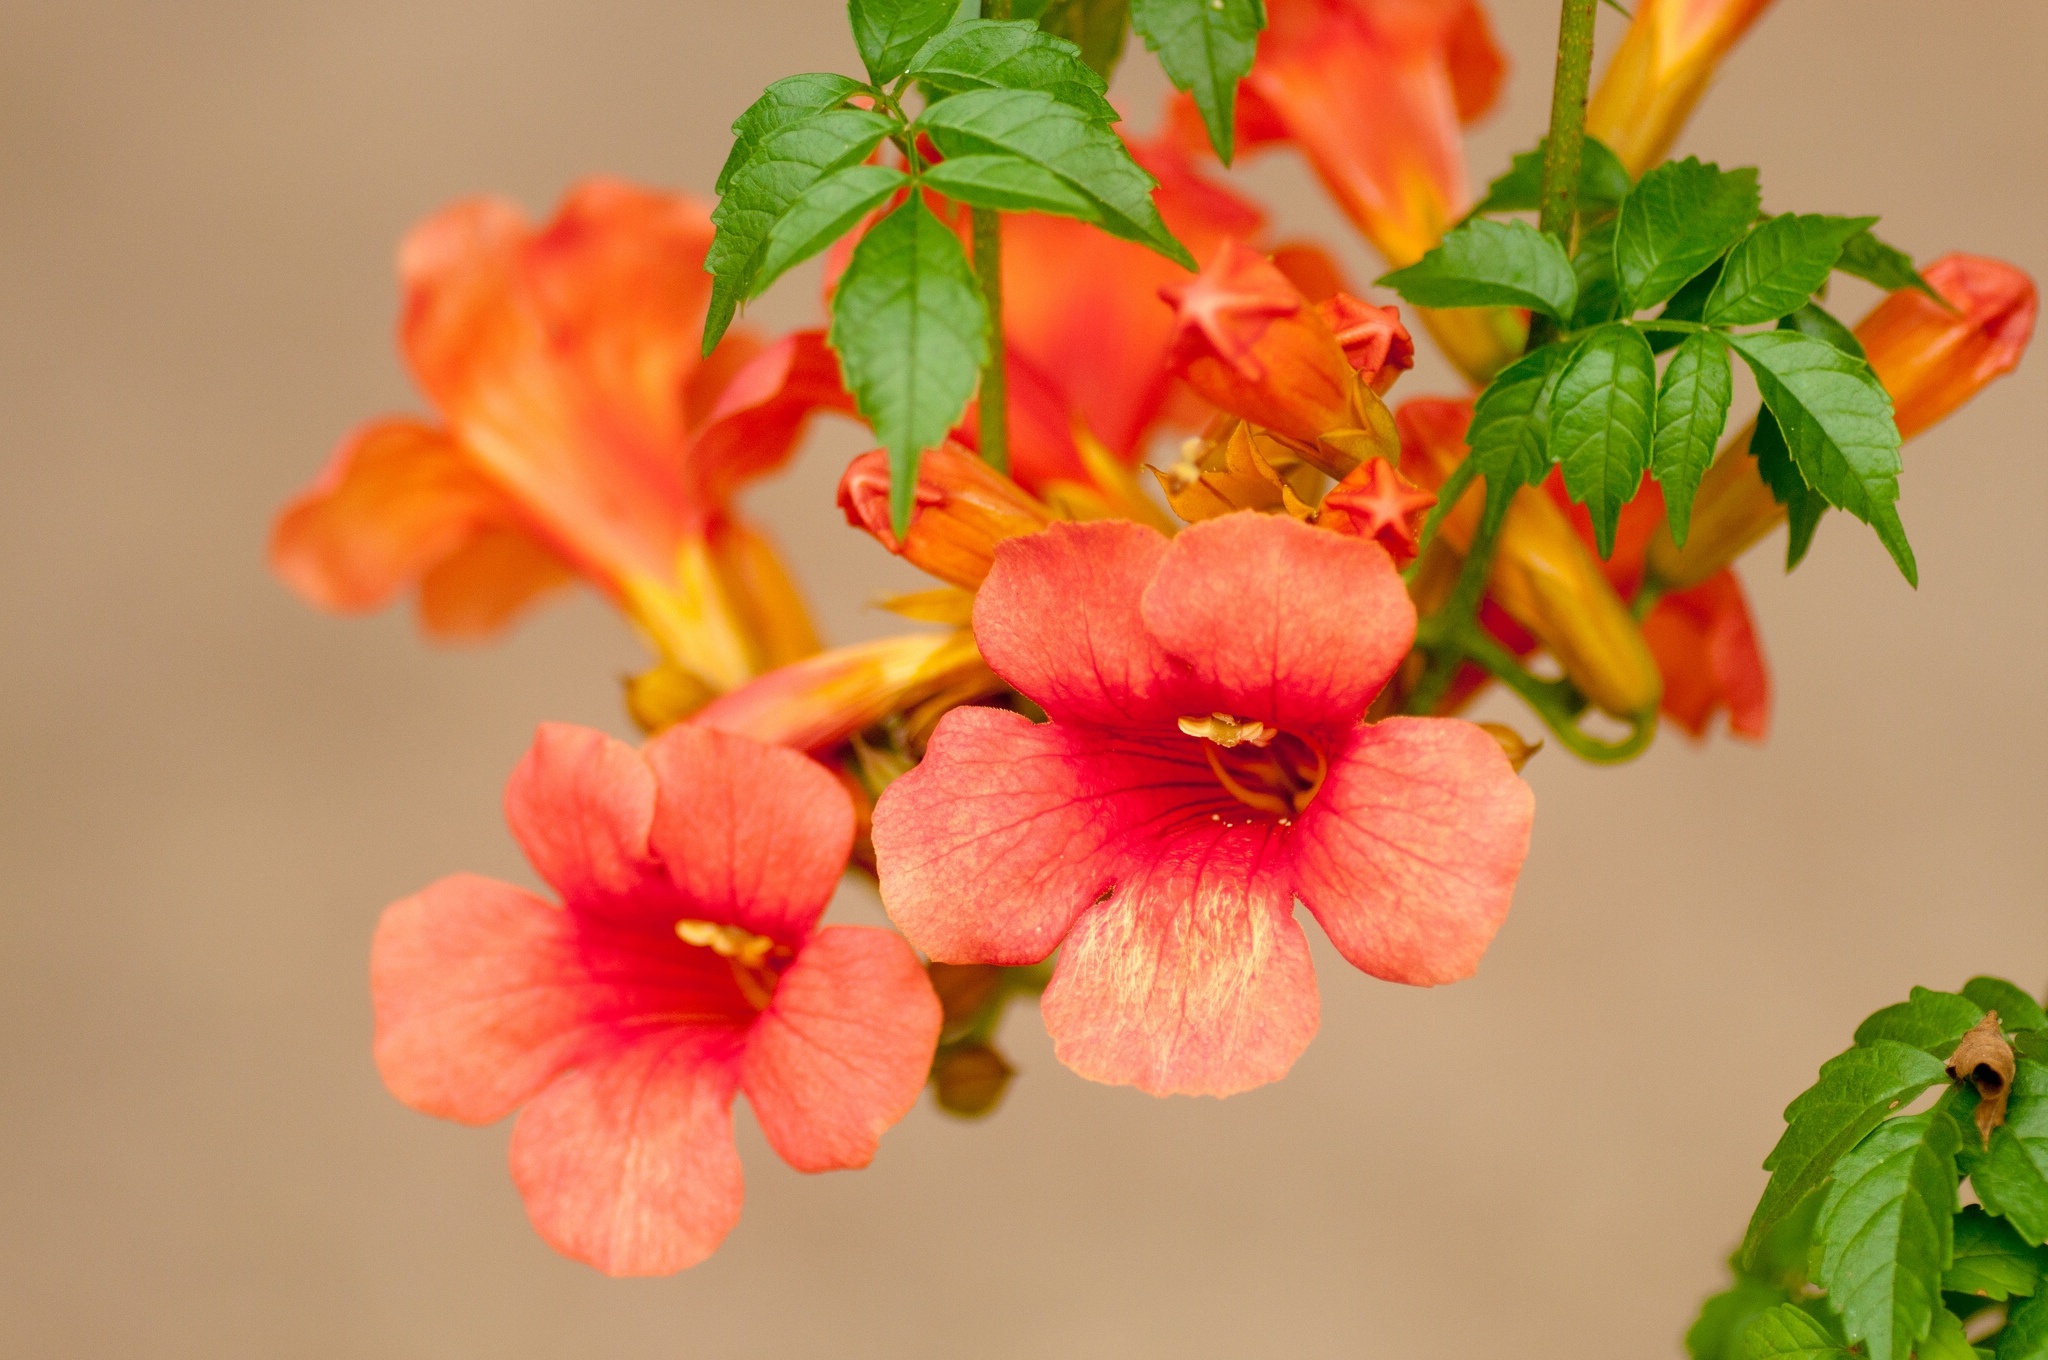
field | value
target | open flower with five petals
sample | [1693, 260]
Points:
[1204, 764]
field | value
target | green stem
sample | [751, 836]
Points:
[995, 378]
[1558, 205]
[1557, 702]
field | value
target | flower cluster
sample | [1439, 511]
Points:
[1147, 708]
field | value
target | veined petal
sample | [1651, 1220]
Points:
[815, 704]
[487, 582]
[1280, 623]
[1058, 618]
[1408, 857]
[752, 835]
[762, 413]
[581, 805]
[842, 1051]
[1192, 978]
[1707, 648]
[396, 499]
[628, 1164]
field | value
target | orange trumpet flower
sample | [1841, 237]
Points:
[1663, 66]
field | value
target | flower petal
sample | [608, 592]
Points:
[1408, 857]
[842, 1051]
[581, 804]
[1707, 649]
[762, 413]
[1192, 978]
[1279, 622]
[753, 835]
[628, 1163]
[1058, 618]
[395, 499]
[487, 582]
[1007, 829]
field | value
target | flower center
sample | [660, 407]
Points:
[1265, 768]
[757, 961]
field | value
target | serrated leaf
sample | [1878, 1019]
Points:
[1601, 421]
[1491, 264]
[1928, 1020]
[1890, 268]
[1946, 1339]
[1009, 184]
[821, 215]
[1603, 180]
[1510, 431]
[1206, 47]
[1680, 218]
[1991, 1260]
[890, 32]
[1687, 304]
[789, 100]
[1778, 267]
[1803, 505]
[1856, 1090]
[1692, 408]
[1087, 155]
[1885, 1235]
[1724, 1321]
[2025, 1334]
[2011, 1176]
[1786, 1332]
[1097, 27]
[987, 54]
[911, 332]
[2016, 1009]
[1821, 324]
[1599, 290]
[786, 163]
[1837, 421]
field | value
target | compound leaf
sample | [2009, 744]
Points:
[1491, 264]
[890, 32]
[1602, 419]
[1692, 408]
[1777, 267]
[1206, 47]
[1680, 218]
[1885, 1234]
[986, 54]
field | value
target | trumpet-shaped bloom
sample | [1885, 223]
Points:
[1205, 763]
[583, 436]
[1663, 66]
[682, 965]
[963, 508]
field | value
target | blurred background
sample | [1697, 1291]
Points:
[208, 792]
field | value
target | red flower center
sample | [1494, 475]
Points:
[1267, 769]
[756, 961]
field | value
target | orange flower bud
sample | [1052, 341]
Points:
[964, 508]
[1665, 61]
[1230, 471]
[1375, 501]
[822, 700]
[1929, 358]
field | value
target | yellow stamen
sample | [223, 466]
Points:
[749, 954]
[1227, 731]
[1279, 777]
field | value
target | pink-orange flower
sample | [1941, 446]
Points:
[583, 435]
[1663, 66]
[683, 965]
[1205, 763]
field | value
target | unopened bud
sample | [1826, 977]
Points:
[1513, 744]
[819, 702]
[964, 990]
[1375, 343]
[1374, 501]
[969, 1079]
[658, 699]
[964, 508]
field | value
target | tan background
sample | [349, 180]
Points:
[208, 792]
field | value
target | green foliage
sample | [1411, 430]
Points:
[1008, 183]
[1945, 1339]
[1787, 1332]
[2011, 1176]
[1885, 1232]
[1890, 268]
[1603, 180]
[1777, 267]
[1816, 321]
[1491, 264]
[1725, 1319]
[1692, 406]
[1510, 431]
[983, 54]
[911, 332]
[2016, 1010]
[1803, 505]
[789, 100]
[1600, 299]
[822, 214]
[2025, 1336]
[1206, 47]
[1034, 126]
[1602, 417]
[1931, 1021]
[890, 32]
[1097, 27]
[1681, 217]
[1992, 1261]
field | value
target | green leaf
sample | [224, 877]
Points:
[1491, 264]
[1777, 267]
[789, 100]
[1856, 1090]
[1687, 304]
[1991, 1260]
[1510, 431]
[1599, 290]
[821, 215]
[1837, 420]
[911, 332]
[1816, 321]
[1680, 218]
[1787, 1332]
[1890, 268]
[1725, 1319]
[890, 32]
[1009, 184]
[1930, 1021]
[2011, 1176]
[1692, 408]
[1803, 505]
[1206, 47]
[1097, 27]
[786, 163]
[2025, 1335]
[1601, 422]
[1603, 180]
[984, 54]
[1087, 155]
[1945, 1339]
[1885, 1234]
[2016, 1010]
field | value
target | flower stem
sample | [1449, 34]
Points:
[995, 380]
